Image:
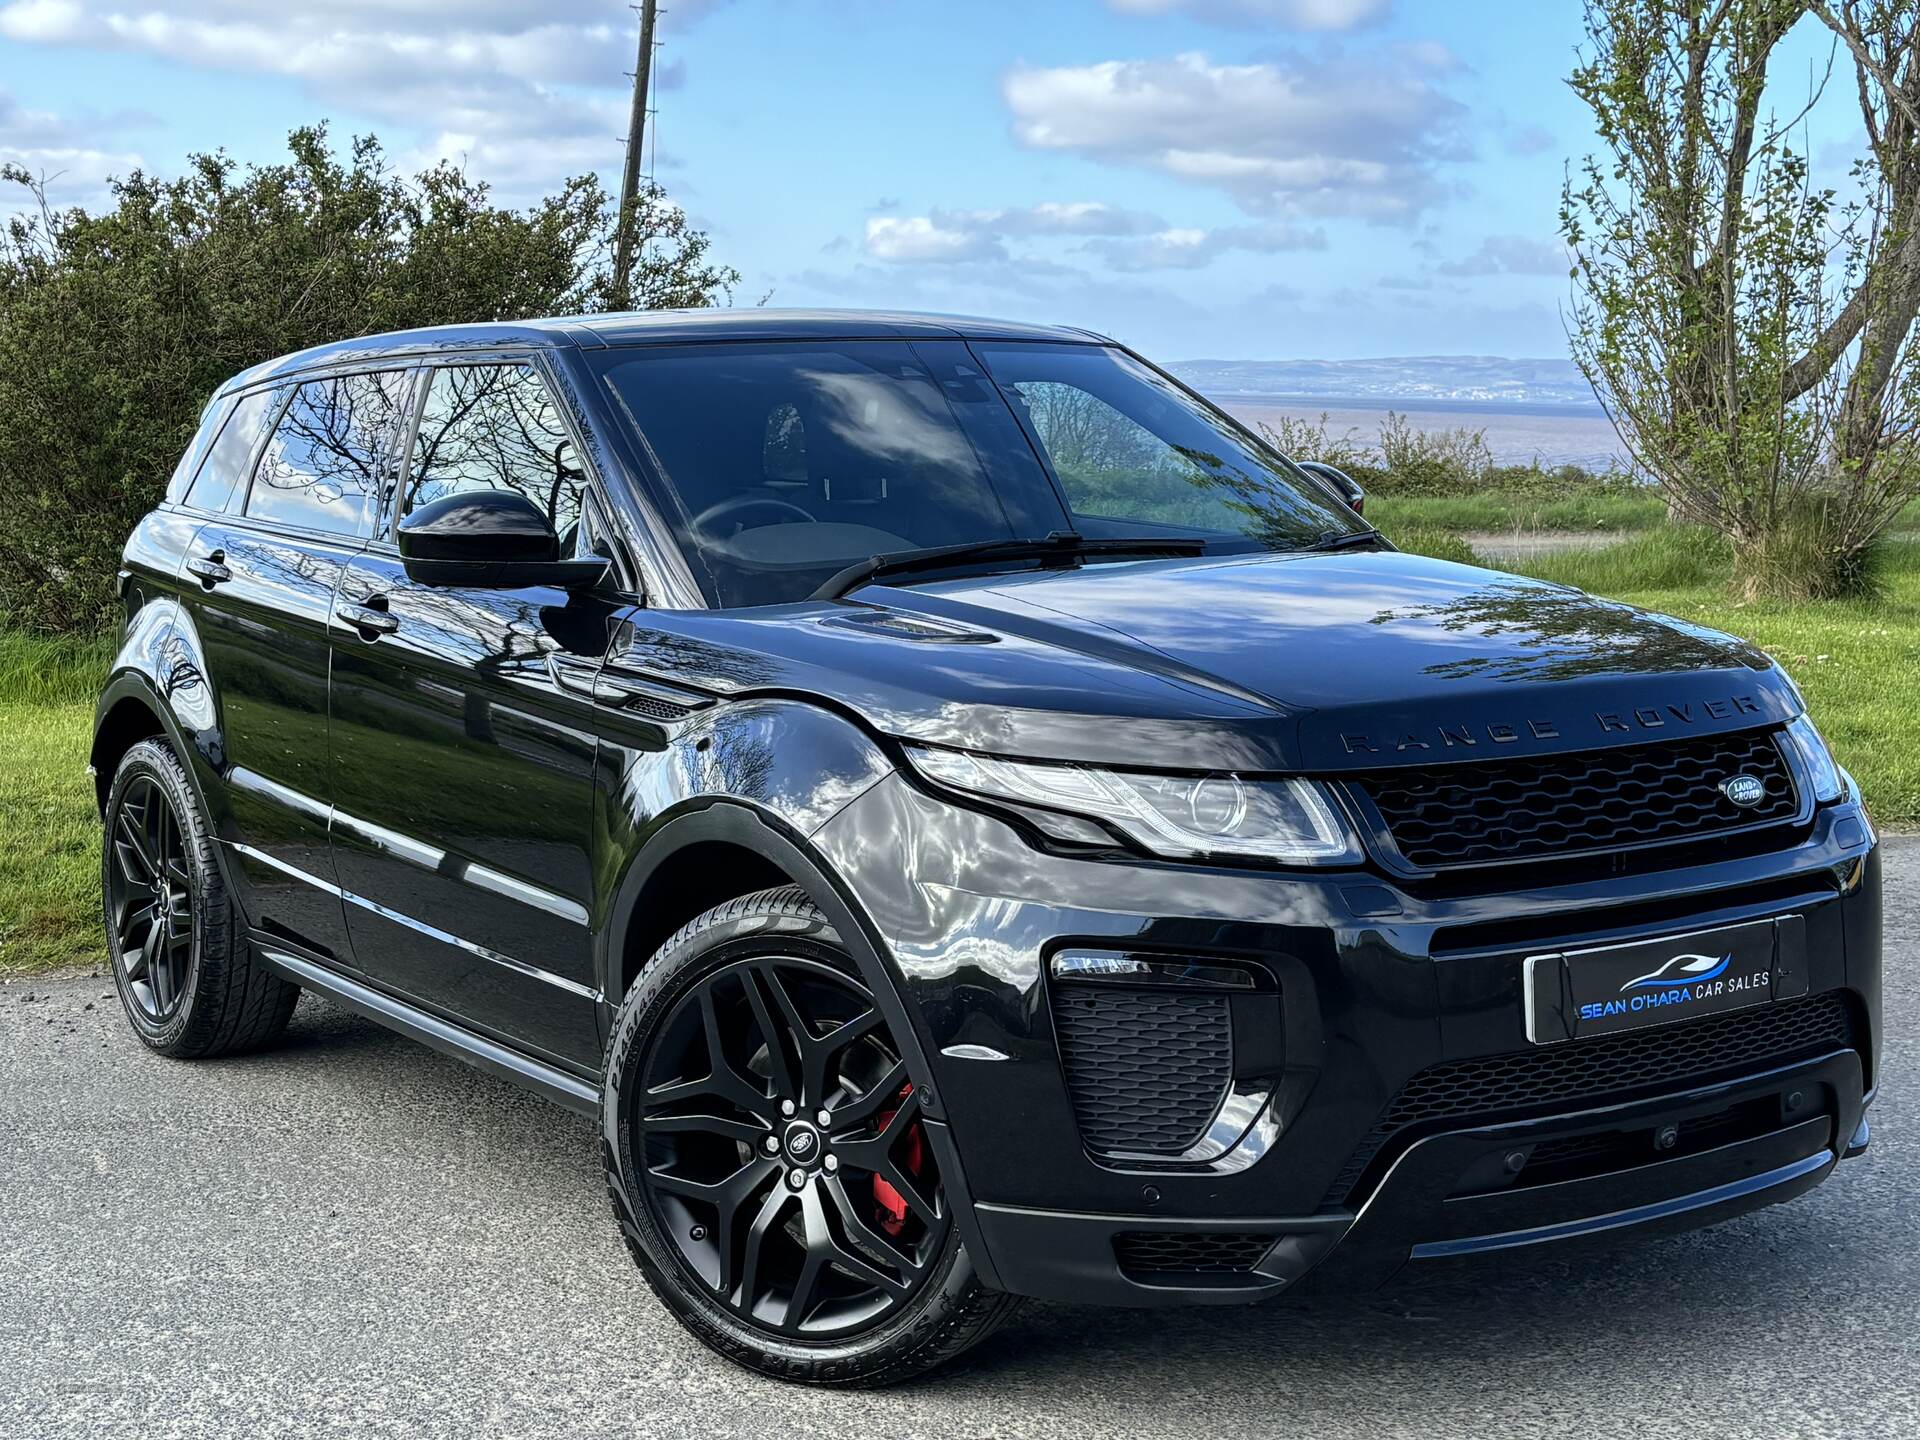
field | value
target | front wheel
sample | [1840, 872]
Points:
[767, 1159]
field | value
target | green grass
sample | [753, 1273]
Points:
[1495, 512]
[49, 833]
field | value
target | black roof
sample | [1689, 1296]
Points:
[657, 327]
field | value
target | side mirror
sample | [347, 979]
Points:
[490, 539]
[1343, 484]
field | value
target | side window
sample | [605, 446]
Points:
[211, 419]
[496, 427]
[322, 468]
[227, 460]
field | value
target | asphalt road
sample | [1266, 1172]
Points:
[354, 1233]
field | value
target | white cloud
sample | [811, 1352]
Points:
[1355, 135]
[1190, 248]
[64, 153]
[526, 95]
[1510, 255]
[948, 236]
[1291, 14]
[917, 239]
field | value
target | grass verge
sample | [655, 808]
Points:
[49, 833]
[1497, 513]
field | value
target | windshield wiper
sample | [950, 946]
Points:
[1060, 546]
[1344, 539]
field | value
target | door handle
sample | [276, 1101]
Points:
[370, 617]
[212, 569]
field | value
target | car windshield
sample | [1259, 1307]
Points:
[782, 464]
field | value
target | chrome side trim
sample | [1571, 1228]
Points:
[492, 957]
[581, 1096]
[252, 782]
[456, 867]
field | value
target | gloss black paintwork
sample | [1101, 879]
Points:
[478, 821]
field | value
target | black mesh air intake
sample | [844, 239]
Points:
[1146, 1069]
[1154, 1253]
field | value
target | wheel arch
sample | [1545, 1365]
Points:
[721, 828]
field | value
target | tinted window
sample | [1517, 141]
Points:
[784, 463]
[211, 419]
[322, 468]
[228, 458]
[788, 462]
[496, 427]
[1131, 448]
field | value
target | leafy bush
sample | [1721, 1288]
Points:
[1299, 438]
[116, 328]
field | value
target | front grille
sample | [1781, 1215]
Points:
[1146, 1070]
[1174, 1253]
[1612, 1067]
[1549, 805]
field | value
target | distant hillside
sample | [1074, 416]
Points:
[1488, 379]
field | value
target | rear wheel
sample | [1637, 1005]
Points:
[186, 976]
[768, 1160]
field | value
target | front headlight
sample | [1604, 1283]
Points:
[1181, 816]
[1817, 760]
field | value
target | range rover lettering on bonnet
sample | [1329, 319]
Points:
[1467, 735]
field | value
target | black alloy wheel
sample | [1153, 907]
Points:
[150, 893]
[187, 977]
[783, 1151]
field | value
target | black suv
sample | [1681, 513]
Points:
[971, 821]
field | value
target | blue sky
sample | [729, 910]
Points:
[1240, 179]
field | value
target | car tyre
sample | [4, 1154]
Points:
[737, 974]
[187, 978]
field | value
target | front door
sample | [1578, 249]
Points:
[463, 771]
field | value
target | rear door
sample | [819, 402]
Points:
[463, 766]
[303, 482]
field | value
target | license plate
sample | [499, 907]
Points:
[1578, 993]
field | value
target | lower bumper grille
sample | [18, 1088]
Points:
[1176, 1253]
[1586, 1072]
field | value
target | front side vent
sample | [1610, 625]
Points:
[1146, 1069]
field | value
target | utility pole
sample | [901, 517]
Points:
[630, 178]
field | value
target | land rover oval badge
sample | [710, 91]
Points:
[1746, 791]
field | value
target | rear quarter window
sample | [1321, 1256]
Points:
[228, 457]
[211, 419]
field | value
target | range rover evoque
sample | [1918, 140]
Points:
[970, 820]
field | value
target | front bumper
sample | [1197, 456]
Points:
[1378, 982]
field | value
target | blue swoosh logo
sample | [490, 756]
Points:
[1692, 969]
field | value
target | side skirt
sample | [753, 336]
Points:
[416, 1024]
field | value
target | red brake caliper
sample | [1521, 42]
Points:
[890, 1206]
